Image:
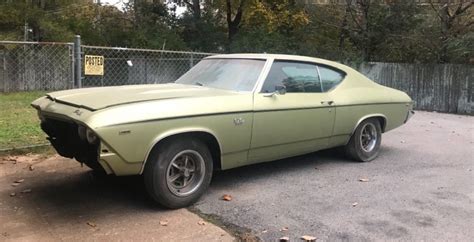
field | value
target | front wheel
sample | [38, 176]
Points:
[364, 144]
[178, 172]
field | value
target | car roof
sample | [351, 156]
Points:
[284, 57]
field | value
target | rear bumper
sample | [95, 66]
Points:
[409, 115]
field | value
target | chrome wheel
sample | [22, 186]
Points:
[185, 173]
[368, 137]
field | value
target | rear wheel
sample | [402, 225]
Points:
[178, 172]
[364, 144]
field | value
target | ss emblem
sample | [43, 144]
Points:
[238, 121]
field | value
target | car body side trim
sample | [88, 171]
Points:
[247, 111]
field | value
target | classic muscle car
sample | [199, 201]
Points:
[227, 111]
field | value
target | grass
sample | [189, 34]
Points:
[19, 123]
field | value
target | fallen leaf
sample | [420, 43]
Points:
[12, 194]
[264, 231]
[284, 239]
[31, 168]
[15, 184]
[93, 225]
[201, 222]
[163, 222]
[308, 238]
[20, 181]
[364, 179]
[355, 204]
[284, 229]
[11, 158]
[227, 197]
[26, 191]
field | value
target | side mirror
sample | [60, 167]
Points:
[279, 89]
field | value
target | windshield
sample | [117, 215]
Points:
[228, 74]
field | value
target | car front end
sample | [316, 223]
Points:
[68, 131]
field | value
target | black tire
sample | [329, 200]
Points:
[159, 163]
[358, 148]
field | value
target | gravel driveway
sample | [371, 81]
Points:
[420, 188]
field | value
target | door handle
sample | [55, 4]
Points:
[328, 102]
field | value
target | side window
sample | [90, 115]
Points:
[295, 76]
[330, 78]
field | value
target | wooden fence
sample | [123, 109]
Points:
[433, 87]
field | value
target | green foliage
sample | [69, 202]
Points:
[202, 34]
[366, 30]
[272, 27]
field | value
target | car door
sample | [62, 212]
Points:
[297, 122]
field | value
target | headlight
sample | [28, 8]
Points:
[90, 136]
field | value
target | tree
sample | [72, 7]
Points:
[233, 23]
[455, 20]
[368, 24]
[271, 26]
[156, 27]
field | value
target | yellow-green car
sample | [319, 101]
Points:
[227, 111]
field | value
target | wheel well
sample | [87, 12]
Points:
[382, 122]
[205, 137]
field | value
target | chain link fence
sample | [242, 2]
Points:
[124, 66]
[29, 66]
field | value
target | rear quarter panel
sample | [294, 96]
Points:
[358, 98]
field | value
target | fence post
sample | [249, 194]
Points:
[77, 62]
[191, 61]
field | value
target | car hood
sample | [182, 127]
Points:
[104, 97]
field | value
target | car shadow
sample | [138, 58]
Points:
[78, 193]
[315, 160]
[67, 196]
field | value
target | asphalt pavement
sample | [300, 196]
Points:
[421, 187]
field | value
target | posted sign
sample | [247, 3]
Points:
[94, 65]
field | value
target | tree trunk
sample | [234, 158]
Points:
[233, 24]
[445, 31]
[343, 29]
[196, 8]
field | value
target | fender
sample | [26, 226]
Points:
[172, 132]
[373, 115]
